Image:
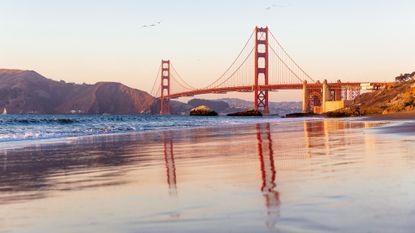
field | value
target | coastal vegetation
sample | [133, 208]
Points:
[405, 77]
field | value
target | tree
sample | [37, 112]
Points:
[405, 77]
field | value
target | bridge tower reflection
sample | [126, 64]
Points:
[169, 162]
[268, 173]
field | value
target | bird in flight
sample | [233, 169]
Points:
[151, 25]
[274, 5]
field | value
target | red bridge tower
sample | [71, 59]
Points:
[165, 88]
[261, 69]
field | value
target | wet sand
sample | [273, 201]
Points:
[404, 123]
[394, 116]
[301, 176]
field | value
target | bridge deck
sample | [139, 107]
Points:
[271, 87]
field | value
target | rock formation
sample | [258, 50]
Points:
[202, 111]
[246, 113]
[398, 97]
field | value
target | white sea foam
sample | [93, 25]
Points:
[31, 128]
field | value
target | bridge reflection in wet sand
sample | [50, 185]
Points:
[252, 178]
[267, 168]
[169, 159]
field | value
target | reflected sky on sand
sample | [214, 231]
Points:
[304, 176]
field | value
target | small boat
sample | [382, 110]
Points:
[4, 111]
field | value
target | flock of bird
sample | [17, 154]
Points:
[275, 5]
[151, 25]
[159, 22]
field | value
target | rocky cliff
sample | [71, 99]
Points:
[397, 97]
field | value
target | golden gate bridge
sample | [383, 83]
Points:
[262, 66]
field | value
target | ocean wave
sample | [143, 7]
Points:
[37, 127]
[38, 121]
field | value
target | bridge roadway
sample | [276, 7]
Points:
[272, 87]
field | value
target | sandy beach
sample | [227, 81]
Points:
[296, 176]
[207, 116]
[394, 116]
[404, 123]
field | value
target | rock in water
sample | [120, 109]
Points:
[300, 114]
[246, 113]
[202, 111]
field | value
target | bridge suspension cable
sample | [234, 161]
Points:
[156, 81]
[183, 83]
[214, 84]
[177, 83]
[279, 45]
[285, 65]
[237, 69]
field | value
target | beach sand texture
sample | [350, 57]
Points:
[300, 176]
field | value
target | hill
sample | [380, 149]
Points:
[232, 105]
[24, 92]
[280, 108]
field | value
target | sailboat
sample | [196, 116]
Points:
[4, 111]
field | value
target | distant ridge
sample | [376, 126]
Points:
[24, 91]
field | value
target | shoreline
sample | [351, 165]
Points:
[56, 141]
[391, 126]
[393, 116]
[404, 123]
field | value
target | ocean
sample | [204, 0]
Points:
[23, 129]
